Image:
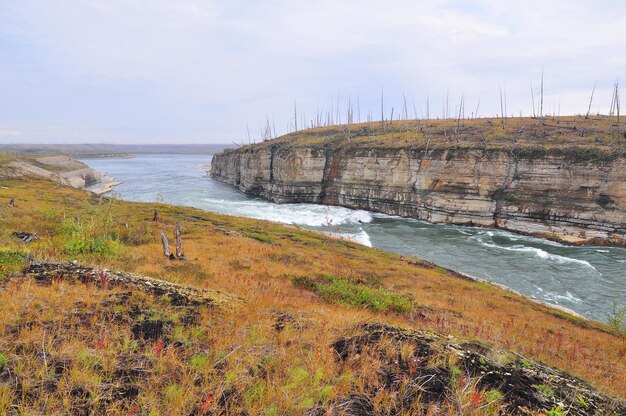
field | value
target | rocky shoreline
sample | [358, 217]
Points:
[63, 170]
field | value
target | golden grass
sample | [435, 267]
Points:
[596, 135]
[239, 355]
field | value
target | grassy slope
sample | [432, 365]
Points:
[236, 354]
[595, 137]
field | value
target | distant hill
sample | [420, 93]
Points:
[107, 150]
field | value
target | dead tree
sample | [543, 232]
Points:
[459, 115]
[541, 94]
[501, 107]
[382, 108]
[617, 105]
[166, 245]
[532, 95]
[179, 243]
[591, 99]
[295, 115]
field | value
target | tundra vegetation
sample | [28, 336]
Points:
[309, 325]
[579, 137]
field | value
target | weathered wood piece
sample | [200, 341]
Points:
[179, 244]
[166, 245]
[25, 237]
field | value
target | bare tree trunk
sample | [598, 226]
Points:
[501, 107]
[382, 108]
[477, 106]
[541, 92]
[458, 120]
[617, 105]
[166, 245]
[295, 115]
[532, 95]
[179, 243]
[591, 99]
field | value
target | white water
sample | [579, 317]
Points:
[585, 279]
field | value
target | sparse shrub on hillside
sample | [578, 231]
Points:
[340, 290]
[11, 264]
[617, 318]
[4, 360]
[90, 234]
[262, 238]
[134, 234]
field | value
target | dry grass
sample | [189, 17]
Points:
[236, 359]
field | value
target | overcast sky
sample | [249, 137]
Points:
[201, 71]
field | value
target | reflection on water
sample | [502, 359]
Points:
[585, 279]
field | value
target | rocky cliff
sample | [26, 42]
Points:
[571, 192]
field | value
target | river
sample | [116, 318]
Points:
[585, 279]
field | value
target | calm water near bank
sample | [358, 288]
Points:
[584, 279]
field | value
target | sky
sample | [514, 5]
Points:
[185, 71]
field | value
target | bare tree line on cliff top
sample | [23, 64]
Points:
[350, 114]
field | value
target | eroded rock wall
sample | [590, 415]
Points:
[552, 196]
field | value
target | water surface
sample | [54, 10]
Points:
[585, 279]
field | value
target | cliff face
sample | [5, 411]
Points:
[563, 178]
[549, 196]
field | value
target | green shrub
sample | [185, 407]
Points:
[557, 411]
[262, 238]
[12, 264]
[339, 290]
[174, 392]
[4, 360]
[617, 318]
[547, 390]
[494, 395]
[199, 362]
[91, 236]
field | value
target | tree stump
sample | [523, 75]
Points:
[166, 245]
[179, 244]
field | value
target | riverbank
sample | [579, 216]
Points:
[587, 279]
[282, 274]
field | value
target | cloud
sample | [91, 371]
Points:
[201, 70]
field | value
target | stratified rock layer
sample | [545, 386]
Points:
[549, 193]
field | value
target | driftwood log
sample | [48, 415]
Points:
[25, 237]
[178, 294]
